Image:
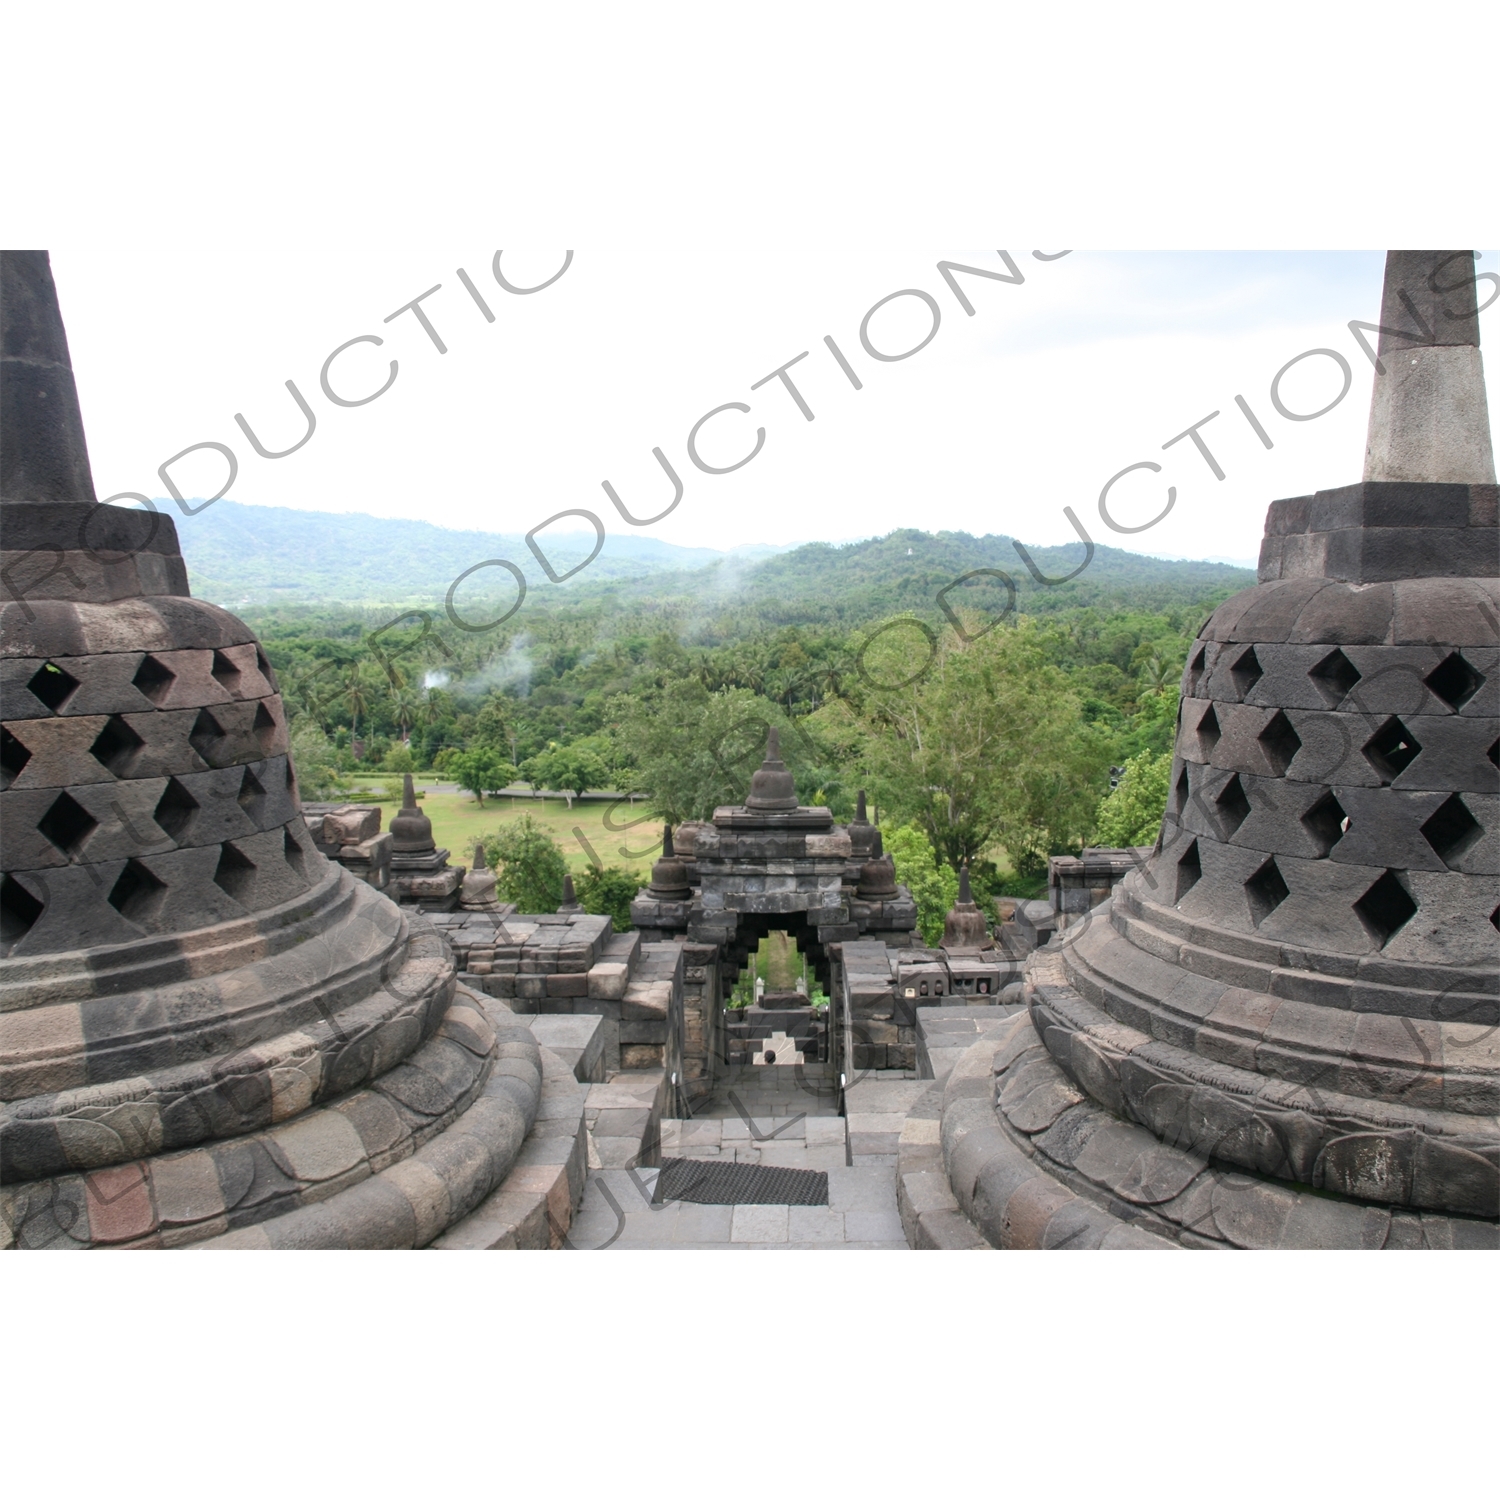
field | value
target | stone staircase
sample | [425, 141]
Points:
[587, 1176]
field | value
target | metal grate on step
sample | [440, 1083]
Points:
[682, 1180]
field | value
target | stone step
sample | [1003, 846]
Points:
[578, 1040]
[876, 1111]
[810, 1142]
[624, 1118]
[930, 1214]
[618, 1213]
[943, 1034]
[533, 1208]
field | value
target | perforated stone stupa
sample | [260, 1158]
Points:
[209, 1034]
[1282, 1029]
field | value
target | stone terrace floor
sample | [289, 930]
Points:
[771, 1116]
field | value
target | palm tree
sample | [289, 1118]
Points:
[1154, 673]
[357, 696]
[406, 706]
[311, 690]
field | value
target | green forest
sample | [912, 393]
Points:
[985, 713]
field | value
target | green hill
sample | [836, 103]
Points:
[260, 557]
[266, 555]
[908, 570]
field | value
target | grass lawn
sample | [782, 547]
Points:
[458, 820]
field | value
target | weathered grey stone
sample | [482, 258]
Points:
[193, 984]
[1320, 903]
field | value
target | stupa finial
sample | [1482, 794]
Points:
[43, 457]
[62, 543]
[1428, 419]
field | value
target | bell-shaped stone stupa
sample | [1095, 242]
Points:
[1299, 988]
[208, 1032]
[877, 879]
[479, 889]
[420, 873]
[964, 928]
[771, 787]
[669, 880]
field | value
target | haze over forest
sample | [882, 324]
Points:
[258, 556]
[979, 692]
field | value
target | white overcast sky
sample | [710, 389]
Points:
[1004, 418]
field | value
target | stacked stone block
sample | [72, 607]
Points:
[703, 1019]
[753, 867]
[876, 1035]
[767, 865]
[350, 834]
[651, 1012]
[786, 1014]
[572, 964]
[884, 987]
[1077, 883]
[1379, 532]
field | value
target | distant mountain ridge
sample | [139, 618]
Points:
[930, 573]
[244, 556]
[264, 554]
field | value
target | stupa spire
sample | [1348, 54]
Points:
[59, 542]
[43, 456]
[1429, 422]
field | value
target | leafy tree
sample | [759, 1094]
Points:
[406, 705]
[315, 762]
[1131, 814]
[492, 725]
[608, 892]
[1153, 727]
[478, 771]
[1155, 674]
[934, 887]
[691, 750]
[982, 742]
[571, 769]
[398, 759]
[529, 867]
